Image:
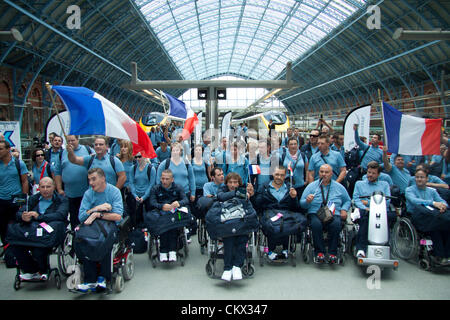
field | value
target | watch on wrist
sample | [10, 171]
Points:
[102, 215]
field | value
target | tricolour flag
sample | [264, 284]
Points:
[332, 207]
[410, 135]
[254, 169]
[179, 109]
[90, 113]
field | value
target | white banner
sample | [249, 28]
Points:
[198, 129]
[54, 126]
[11, 131]
[226, 121]
[360, 116]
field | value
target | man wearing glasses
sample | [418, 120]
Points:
[313, 145]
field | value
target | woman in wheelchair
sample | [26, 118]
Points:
[326, 192]
[45, 206]
[234, 246]
[429, 213]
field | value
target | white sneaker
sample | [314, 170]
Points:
[163, 257]
[226, 275]
[360, 254]
[43, 277]
[28, 276]
[237, 273]
[272, 255]
[172, 256]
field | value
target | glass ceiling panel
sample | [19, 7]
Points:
[253, 38]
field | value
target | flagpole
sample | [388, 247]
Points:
[47, 85]
[382, 117]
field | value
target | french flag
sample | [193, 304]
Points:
[178, 109]
[254, 169]
[90, 113]
[411, 135]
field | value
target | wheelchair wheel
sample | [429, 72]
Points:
[210, 268]
[119, 283]
[66, 255]
[128, 268]
[17, 282]
[424, 264]
[57, 280]
[248, 270]
[405, 243]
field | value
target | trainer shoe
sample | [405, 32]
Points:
[28, 276]
[272, 255]
[320, 258]
[360, 254]
[163, 257]
[226, 275]
[284, 254]
[172, 256]
[43, 277]
[332, 259]
[87, 287]
[101, 283]
[237, 273]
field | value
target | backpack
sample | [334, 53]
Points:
[159, 222]
[111, 159]
[277, 223]
[8, 256]
[218, 227]
[93, 242]
[139, 240]
[36, 234]
[149, 169]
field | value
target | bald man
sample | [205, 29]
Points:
[325, 192]
[45, 206]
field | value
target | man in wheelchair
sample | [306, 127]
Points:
[44, 207]
[326, 193]
[101, 201]
[365, 188]
[276, 195]
[429, 213]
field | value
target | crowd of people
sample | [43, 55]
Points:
[299, 173]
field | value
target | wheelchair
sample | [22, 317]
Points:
[216, 252]
[122, 261]
[262, 245]
[307, 245]
[413, 245]
[182, 248]
[53, 272]
[202, 236]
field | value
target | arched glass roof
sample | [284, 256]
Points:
[253, 39]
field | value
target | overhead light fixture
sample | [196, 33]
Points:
[427, 35]
[11, 35]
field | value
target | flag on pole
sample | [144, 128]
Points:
[179, 109]
[411, 135]
[254, 169]
[90, 113]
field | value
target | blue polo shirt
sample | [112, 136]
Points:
[366, 188]
[372, 154]
[37, 171]
[299, 170]
[110, 195]
[278, 194]
[44, 204]
[333, 158]
[400, 178]
[105, 164]
[338, 195]
[73, 176]
[10, 184]
[140, 185]
[416, 196]
[211, 188]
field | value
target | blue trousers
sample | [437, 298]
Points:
[32, 259]
[333, 228]
[234, 251]
[91, 269]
